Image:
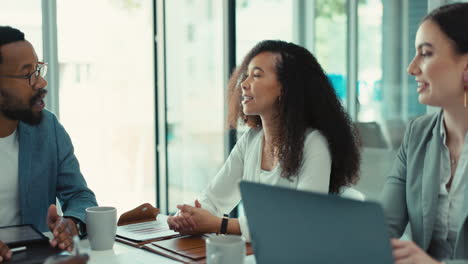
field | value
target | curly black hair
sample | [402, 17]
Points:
[308, 100]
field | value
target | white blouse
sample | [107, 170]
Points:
[244, 163]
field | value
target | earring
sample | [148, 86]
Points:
[465, 80]
[465, 95]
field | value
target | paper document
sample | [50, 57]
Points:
[146, 230]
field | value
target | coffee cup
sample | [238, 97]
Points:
[101, 224]
[225, 249]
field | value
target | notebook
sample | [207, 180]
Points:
[143, 225]
[289, 226]
[187, 249]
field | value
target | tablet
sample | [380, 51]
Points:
[21, 235]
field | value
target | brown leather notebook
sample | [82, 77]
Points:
[136, 243]
[169, 254]
[192, 247]
[187, 249]
[141, 214]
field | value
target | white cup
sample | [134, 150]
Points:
[101, 224]
[225, 249]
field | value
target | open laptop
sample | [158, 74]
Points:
[289, 226]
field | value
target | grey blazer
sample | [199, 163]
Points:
[411, 190]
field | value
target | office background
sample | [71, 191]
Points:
[140, 85]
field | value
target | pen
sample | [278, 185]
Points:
[17, 249]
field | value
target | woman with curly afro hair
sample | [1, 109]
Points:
[300, 136]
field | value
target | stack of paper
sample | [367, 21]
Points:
[147, 230]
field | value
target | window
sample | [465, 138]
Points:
[330, 42]
[386, 94]
[25, 15]
[257, 20]
[195, 92]
[107, 96]
[369, 88]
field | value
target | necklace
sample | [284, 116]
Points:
[454, 159]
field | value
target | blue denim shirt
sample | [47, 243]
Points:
[48, 169]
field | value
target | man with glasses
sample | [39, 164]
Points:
[37, 163]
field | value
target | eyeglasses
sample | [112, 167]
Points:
[41, 70]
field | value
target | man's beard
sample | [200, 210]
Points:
[13, 109]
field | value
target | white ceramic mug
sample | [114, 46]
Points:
[101, 224]
[225, 249]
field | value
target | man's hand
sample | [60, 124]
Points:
[63, 229]
[5, 252]
[407, 252]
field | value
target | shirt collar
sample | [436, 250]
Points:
[443, 134]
